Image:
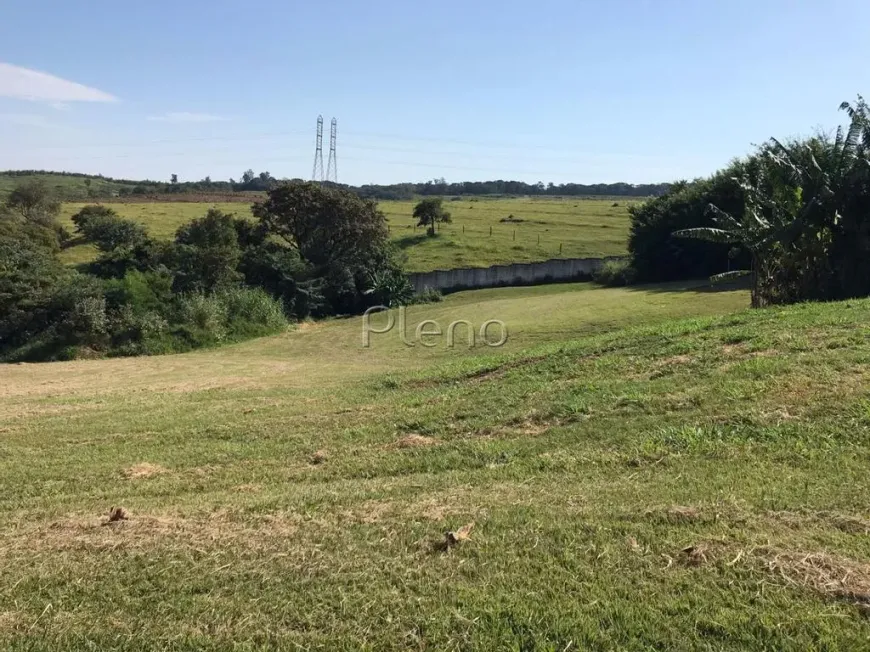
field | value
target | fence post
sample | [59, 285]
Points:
[463, 229]
[539, 238]
[515, 235]
[560, 248]
[490, 231]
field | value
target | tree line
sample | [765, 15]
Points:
[250, 181]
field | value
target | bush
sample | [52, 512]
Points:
[35, 202]
[13, 226]
[615, 273]
[252, 306]
[30, 276]
[141, 292]
[276, 269]
[206, 314]
[658, 256]
[206, 254]
[390, 287]
[429, 295]
[107, 230]
[228, 315]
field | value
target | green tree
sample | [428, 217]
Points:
[340, 238]
[107, 230]
[325, 225]
[35, 202]
[430, 212]
[206, 254]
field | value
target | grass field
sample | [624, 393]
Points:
[548, 228]
[647, 468]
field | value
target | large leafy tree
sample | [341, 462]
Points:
[325, 225]
[340, 239]
[429, 212]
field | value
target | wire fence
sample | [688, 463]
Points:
[511, 234]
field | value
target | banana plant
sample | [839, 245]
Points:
[792, 200]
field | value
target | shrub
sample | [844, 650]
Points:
[615, 273]
[657, 255]
[276, 269]
[107, 230]
[206, 314]
[140, 292]
[253, 306]
[390, 287]
[13, 226]
[30, 276]
[429, 295]
[35, 202]
[206, 254]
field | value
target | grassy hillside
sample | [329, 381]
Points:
[645, 469]
[65, 186]
[537, 229]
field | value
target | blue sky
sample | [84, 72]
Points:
[553, 90]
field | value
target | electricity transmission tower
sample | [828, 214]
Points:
[332, 165]
[317, 172]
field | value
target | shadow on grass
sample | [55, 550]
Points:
[703, 286]
[408, 241]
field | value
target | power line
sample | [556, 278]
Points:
[278, 134]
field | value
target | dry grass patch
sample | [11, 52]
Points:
[672, 514]
[137, 531]
[143, 470]
[850, 523]
[414, 440]
[834, 577]
[249, 488]
[11, 620]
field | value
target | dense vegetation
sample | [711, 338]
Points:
[795, 216]
[314, 251]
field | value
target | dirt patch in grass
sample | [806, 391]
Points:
[319, 457]
[528, 427]
[831, 576]
[414, 440]
[143, 470]
[734, 349]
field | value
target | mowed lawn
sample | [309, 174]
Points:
[646, 468]
[522, 230]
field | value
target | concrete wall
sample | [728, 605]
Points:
[549, 271]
